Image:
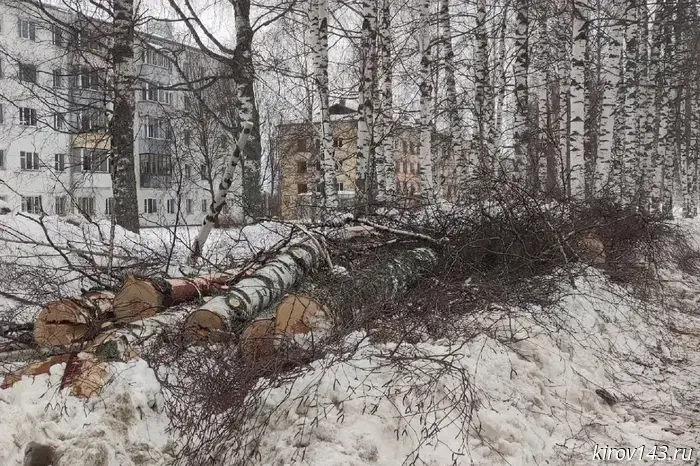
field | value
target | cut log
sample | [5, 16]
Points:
[248, 298]
[258, 340]
[140, 297]
[72, 319]
[315, 307]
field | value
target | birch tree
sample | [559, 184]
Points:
[319, 41]
[365, 108]
[425, 87]
[520, 70]
[577, 116]
[483, 137]
[385, 159]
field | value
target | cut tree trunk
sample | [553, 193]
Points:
[248, 298]
[315, 308]
[141, 297]
[72, 319]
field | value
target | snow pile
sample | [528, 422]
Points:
[521, 391]
[123, 426]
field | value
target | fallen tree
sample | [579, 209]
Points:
[248, 298]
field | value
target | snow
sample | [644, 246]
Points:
[124, 426]
[533, 391]
[515, 386]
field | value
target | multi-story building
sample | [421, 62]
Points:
[54, 119]
[300, 164]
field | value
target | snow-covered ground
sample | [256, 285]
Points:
[526, 389]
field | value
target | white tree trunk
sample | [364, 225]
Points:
[319, 41]
[427, 185]
[483, 137]
[577, 99]
[365, 108]
[220, 194]
[455, 131]
[611, 76]
[126, 206]
[630, 164]
[385, 118]
[521, 120]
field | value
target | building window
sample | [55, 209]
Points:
[398, 167]
[2, 159]
[341, 187]
[156, 170]
[87, 205]
[187, 102]
[27, 116]
[302, 188]
[2, 114]
[59, 162]
[27, 30]
[189, 206]
[29, 160]
[59, 205]
[109, 206]
[56, 35]
[301, 167]
[405, 147]
[337, 142]
[94, 160]
[153, 93]
[171, 206]
[203, 172]
[90, 79]
[405, 167]
[156, 128]
[301, 145]
[205, 206]
[188, 171]
[59, 121]
[27, 73]
[188, 138]
[150, 206]
[154, 58]
[31, 204]
[91, 121]
[57, 78]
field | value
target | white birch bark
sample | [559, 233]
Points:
[385, 118]
[521, 134]
[126, 206]
[483, 137]
[500, 78]
[577, 100]
[629, 172]
[365, 108]
[611, 76]
[455, 131]
[220, 195]
[426, 93]
[319, 41]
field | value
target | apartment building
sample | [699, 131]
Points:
[54, 116]
[300, 165]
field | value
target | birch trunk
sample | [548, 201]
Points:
[577, 99]
[629, 160]
[319, 19]
[427, 186]
[385, 117]
[483, 97]
[611, 76]
[500, 78]
[365, 108]
[220, 195]
[454, 131]
[126, 205]
[244, 75]
[252, 295]
[521, 120]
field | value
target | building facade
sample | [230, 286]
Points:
[54, 119]
[300, 167]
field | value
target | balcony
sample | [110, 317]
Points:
[156, 181]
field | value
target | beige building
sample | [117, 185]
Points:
[300, 165]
